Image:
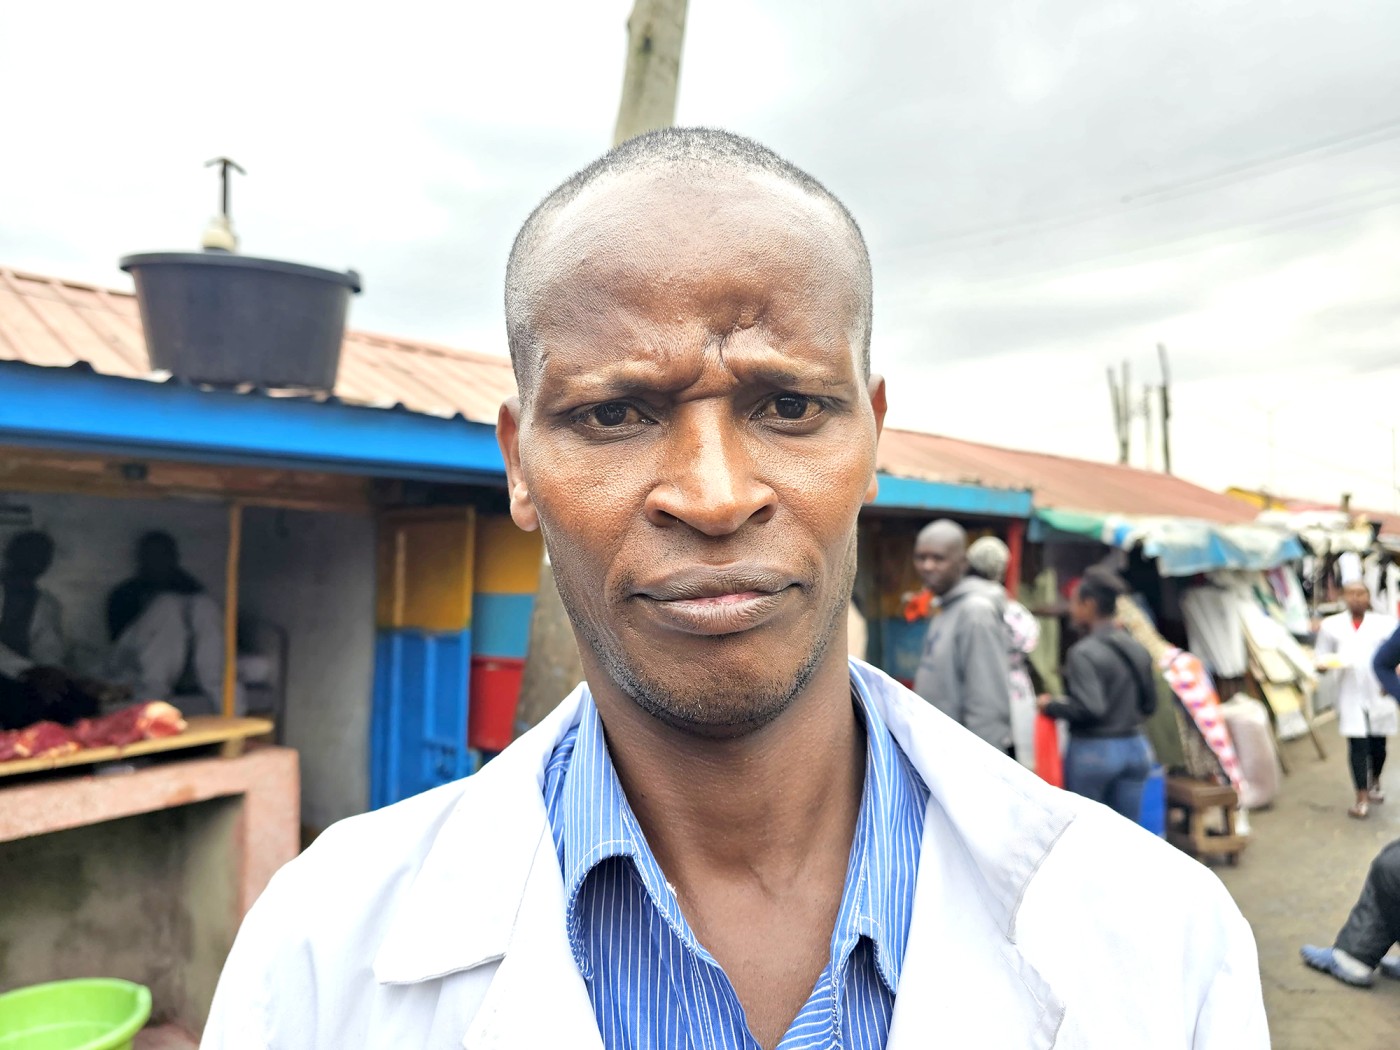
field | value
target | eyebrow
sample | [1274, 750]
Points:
[633, 378]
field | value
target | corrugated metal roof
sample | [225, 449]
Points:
[1057, 481]
[51, 322]
[55, 323]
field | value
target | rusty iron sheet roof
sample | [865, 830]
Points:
[1058, 482]
[56, 323]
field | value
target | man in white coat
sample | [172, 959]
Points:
[731, 835]
[1366, 714]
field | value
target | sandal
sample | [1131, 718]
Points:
[1359, 811]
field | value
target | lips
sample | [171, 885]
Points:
[705, 601]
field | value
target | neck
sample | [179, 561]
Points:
[758, 806]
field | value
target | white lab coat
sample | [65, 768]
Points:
[1363, 708]
[1040, 920]
[150, 656]
[46, 648]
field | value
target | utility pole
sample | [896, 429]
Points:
[655, 32]
[1122, 412]
[1166, 408]
[1147, 391]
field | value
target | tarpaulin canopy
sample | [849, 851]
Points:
[1322, 531]
[1183, 546]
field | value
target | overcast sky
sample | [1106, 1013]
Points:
[1047, 187]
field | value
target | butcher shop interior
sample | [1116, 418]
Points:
[181, 757]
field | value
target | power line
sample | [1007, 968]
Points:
[1169, 191]
[1281, 222]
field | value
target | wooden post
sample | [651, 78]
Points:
[1015, 545]
[235, 545]
[655, 33]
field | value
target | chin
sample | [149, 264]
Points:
[722, 696]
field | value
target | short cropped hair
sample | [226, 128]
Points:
[1102, 588]
[691, 153]
[988, 558]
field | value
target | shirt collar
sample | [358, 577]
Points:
[877, 902]
[597, 824]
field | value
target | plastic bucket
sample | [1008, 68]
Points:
[228, 319]
[97, 1013]
[495, 692]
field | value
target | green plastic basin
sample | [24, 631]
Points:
[91, 1014]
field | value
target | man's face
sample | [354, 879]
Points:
[1082, 612]
[698, 441]
[1358, 598]
[941, 563]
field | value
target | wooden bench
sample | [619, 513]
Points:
[1189, 803]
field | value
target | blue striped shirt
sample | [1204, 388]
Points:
[652, 983]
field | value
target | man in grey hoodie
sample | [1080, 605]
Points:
[963, 670]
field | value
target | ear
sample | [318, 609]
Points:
[876, 389]
[522, 509]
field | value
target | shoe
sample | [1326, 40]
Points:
[1359, 811]
[1339, 964]
[1376, 795]
[1390, 966]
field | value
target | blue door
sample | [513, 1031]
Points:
[422, 666]
[421, 688]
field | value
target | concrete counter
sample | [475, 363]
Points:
[144, 875]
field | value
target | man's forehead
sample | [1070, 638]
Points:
[608, 205]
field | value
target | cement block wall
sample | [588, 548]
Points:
[150, 898]
[312, 573]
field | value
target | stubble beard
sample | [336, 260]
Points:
[698, 713]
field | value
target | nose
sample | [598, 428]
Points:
[708, 479]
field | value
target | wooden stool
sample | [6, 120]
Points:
[1187, 830]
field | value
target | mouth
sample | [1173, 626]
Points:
[712, 602]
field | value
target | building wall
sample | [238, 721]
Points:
[313, 573]
[95, 542]
[150, 898]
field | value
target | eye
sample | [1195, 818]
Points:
[793, 407]
[610, 415]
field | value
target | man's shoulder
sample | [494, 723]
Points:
[361, 858]
[1331, 623]
[1106, 871]
[980, 605]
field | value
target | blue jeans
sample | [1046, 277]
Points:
[1111, 771]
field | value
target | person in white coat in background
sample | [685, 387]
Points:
[1366, 715]
[731, 835]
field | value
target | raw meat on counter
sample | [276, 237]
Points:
[50, 740]
[41, 740]
[130, 724]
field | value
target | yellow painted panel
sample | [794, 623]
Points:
[507, 557]
[425, 569]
